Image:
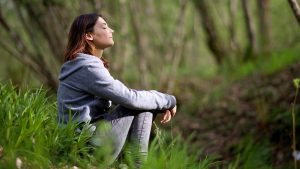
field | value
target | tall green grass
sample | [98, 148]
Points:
[29, 132]
[253, 154]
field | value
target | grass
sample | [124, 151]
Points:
[30, 135]
[29, 131]
[264, 64]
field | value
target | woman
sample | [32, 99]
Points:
[87, 89]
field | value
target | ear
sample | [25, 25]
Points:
[88, 36]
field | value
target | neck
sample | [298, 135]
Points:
[98, 52]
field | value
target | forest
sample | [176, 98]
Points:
[233, 65]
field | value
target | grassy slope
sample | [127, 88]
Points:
[252, 103]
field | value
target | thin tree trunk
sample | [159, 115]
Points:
[97, 5]
[232, 31]
[82, 6]
[252, 47]
[51, 35]
[121, 50]
[213, 39]
[295, 8]
[39, 57]
[141, 45]
[152, 20]
[174, 50]
[265, 32]
[58, 30]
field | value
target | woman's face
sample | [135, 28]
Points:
[102, 35]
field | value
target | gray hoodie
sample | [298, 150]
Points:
[87, 89]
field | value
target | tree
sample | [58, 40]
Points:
[34, 59]
[295, 8]
[252, 44]
[213, 39]
[232, 31]
[265, 31]
[38, 34]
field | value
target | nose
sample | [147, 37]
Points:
[112, 31]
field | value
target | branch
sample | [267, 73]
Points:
[21, 53]
[22, 58]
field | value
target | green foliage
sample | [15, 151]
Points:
[30, 133]
[173, 154]
[264, 64]
[296, 82]
[252, 154]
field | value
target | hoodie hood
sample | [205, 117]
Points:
[72, 66]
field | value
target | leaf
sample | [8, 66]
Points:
[296, 82]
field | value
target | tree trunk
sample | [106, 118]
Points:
[213, 39]
[141, 45]
[295, 8]
[121, 51]
[174, 51]
[97, 5]
[265, 32]
[252, 46]
[232, 31]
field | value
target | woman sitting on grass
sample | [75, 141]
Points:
[87, 90]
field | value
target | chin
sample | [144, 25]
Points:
[112, 44]
[108, 46]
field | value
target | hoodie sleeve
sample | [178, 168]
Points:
[99, 82]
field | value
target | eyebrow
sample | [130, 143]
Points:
[104, 23]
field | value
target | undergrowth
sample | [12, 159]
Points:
[31, 138]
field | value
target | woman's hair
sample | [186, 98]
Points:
[77, 42]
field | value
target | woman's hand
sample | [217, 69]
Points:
[166, 117]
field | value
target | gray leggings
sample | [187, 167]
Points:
[123, 123]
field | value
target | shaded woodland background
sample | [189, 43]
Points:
[230, 63]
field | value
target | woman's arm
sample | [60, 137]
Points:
[98, 81]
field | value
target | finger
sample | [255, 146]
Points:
[168, 117]
[164, 117]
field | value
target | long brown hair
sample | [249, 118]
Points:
[77, 42]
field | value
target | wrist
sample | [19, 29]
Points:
[173, 102]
